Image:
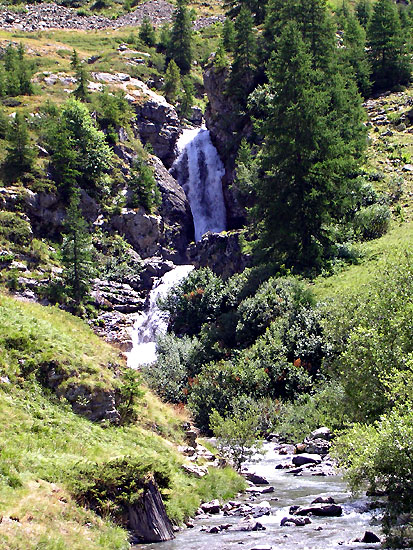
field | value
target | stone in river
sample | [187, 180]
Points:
[298, 522]
[256, 479]
[248, 526]
[327, 510]
[212, 507]
[262, 547]
[324, 500]
[370, 537]
[306, 458]
[260, 490]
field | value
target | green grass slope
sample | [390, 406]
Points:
[44, 444]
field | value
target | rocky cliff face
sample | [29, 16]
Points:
[227, 128]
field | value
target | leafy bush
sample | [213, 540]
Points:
[381, 455]
[175, 364]
[274, 298]
[143, 187]
[15, 228]
[370, 338]
[194, 301]
[371, 222]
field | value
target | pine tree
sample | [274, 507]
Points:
[20, 155]
[313, 21]
[187, 99]
[147, 32]
[180, 43]
[172, 84]
[77, 252]
[255, 7]
[74, 60]
[228, 35]
[245, 56]
[81, 92]
[354, 53]
[390, 64]
[363, 12]
[313, 138]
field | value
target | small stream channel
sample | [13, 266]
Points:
[323, 533]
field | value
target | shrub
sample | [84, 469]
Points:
[196, 300]
[237, 434]
[15, 228]
[381, 455]
[175, 364]
[371, 222]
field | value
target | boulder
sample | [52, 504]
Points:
[260, 490]
[212, 507]
[255, 478]
[219, 251]
[327, 510]
[158, 124]
[323, 500]
[261, 509]
[247, 525]
[299, 522]
[370, 538]
[305, 458]
[193, 470]
[142, 231]
[148, 519]
[317, 446]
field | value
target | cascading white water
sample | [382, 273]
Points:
[199, 171]
[153, 321]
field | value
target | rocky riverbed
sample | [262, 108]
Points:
[38, 17]
[293, 501]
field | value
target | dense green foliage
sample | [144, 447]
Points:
[180, 47]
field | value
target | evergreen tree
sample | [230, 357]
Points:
[187, 99]
[20, 155]
[77, 252]
[180, 43]
[313, 21]
[172, 84]
[245, 56]
[147, 32]
[18, 72]
[313, 138]
[363, 12]
[81, 92]
[354, 53]
[74, 60]
[143, 187]
[228, 35]
[390, 64]
[255, 7]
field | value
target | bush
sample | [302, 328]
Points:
[371, 222]
[381, 455]
[237, 435]
[14, 228]
[175, 364]
[194, 301]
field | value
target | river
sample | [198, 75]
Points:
[321, 534]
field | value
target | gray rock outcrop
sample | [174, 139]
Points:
[147, 518]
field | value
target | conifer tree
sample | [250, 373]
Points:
[74, 60]
[81, 92]
[20, 155]
[255, 7]
[187, 99]
[228, 35]
[77, 252]
[354, 53]
[180, 43]
[245, 56]
[313, 138]
[390, 64]
[147, 32]
[363, 12]
[172, 84]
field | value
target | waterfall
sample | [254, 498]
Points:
[153, 321]
[199, 171]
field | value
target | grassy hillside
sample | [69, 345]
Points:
[44, 444]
